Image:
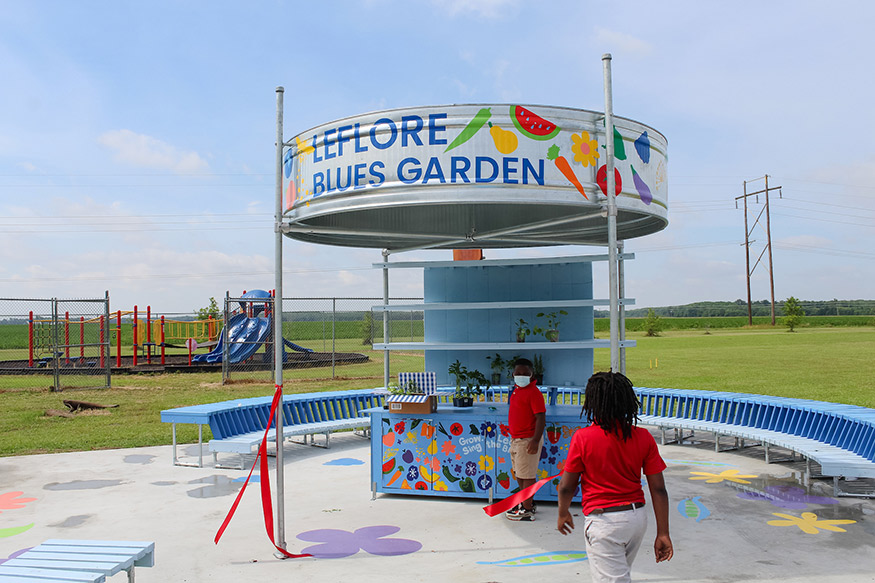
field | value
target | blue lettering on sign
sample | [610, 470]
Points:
[529, 169]
[479, 161]
[459, 167]
[413, 132]
[358, 146]
[359, 174]
[341, 139]
[316, 157]
[318, 184]
[415, 174]
[393, 134]
[348, 179]
[507, 170]
[434, 171]
[327, 144]
[434, 128]
[379, 177]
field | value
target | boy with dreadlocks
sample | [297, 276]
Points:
[607, 459]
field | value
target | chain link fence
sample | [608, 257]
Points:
[317, 332]
[59, 344]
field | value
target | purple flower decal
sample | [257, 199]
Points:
[551, 460]
[336, 544]
[488, 429]
[412, 473]
[790, 497]
[458, 468]
[15, 554]
[470, 469]
[554, 449]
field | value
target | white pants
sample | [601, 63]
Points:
[612, 541]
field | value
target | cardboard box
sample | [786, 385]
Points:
[414, 404]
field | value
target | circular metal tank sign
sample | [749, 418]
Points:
[472, 176]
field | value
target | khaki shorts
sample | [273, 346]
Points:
[525, 465]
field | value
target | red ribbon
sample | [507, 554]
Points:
[514, 499]
[264, 478]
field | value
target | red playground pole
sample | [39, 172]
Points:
[134, 334]
[162, 340]
[118, 339]
[81, 338]
[30, 340]
[149, 334]
[67, 337]
[102, 351]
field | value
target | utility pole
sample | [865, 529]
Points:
[747, 241]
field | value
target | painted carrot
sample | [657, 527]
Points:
[395, 477]
[472, 128]
[565, 168]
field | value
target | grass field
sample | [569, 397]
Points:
[829, 364]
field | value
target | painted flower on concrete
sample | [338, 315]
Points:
[809, 523]
[786, 496]
[336, 544]
[724, 476]
[12, 500]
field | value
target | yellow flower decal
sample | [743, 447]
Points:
[440, 486]
[725, 475]
[809, 523]
[542, 474]
[585, 150]
[486, 463]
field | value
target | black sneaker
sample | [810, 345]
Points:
[512, 511]
[523, 515]
[534, 507]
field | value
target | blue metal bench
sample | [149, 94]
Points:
[78, 560]
[841, 438]
[238, 426]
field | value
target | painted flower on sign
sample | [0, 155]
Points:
[470, 469]
[447, 448]
[488, 429]
[486, 463]
[585, 149]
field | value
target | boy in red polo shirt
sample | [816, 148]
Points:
[526, 416]
[607, 460]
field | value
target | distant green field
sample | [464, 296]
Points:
[637, 324]
[828, 364]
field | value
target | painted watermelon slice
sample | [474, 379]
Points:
[531, 125]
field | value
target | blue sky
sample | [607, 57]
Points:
[136, 139]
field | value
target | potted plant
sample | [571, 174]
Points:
[497, 364]
[538, 368]
[468, 384]
[551, 332]
[522, 330]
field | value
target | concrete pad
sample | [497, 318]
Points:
[721, 530]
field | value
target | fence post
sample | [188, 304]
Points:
[30, 339]
[56, 356]
[134, 335]
[66, 337]
[102, 338]
[333, 333]
[81, 339]
[162, 340]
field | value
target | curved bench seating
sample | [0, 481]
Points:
[840, 438]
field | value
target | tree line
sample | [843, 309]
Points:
[758, 308]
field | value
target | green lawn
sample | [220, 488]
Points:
[829, 364]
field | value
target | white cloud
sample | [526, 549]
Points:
[621, 42]
[484, 8]
[149, 152]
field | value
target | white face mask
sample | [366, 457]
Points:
[521, 381]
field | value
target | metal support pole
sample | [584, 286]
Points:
[333, 333]
[747, 258]
[385, 318]
[769, 243]
[621, 292]
[613, 276]
[278, 327]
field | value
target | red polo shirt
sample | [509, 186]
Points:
[610, 468]
[523, 404]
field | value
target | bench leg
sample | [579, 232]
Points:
[327, 440]
[131, 575]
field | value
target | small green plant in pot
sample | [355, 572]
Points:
[497, 364]
[551, 332]
[538, 368]
[468, 384]
[522, 330]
